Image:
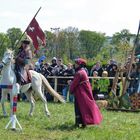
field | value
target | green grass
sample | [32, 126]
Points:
[60, 126]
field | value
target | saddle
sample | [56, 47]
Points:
[23, 77]
[27, 78]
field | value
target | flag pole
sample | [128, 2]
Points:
[28, 26]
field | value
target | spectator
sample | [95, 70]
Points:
[97, 67]
[104, 84]
[58, 71]
[41, 65]
[51, 80]
[46, 71]
[68, 72]
[112, 73]
[110, 65]
[53, 62]
[134, 79]
[59, 68]
[95, 85]
[37, 67]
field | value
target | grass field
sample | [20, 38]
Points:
[60, 126]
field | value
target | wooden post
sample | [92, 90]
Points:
[55, 88]
[126, 82]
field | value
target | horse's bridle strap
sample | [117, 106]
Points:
[3, 63]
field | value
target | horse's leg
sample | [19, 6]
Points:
[3, 99]
[31, 100]
[37, 87]
[45, 103]
[40, 94]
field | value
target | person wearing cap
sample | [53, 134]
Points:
[22, 60]
[86, 110]
[54, 62]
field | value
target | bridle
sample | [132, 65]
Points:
[4, 63]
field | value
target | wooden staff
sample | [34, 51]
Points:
[126, 82]
[115, 80]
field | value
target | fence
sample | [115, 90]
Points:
[71, 77]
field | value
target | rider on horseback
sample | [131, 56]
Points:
[22, 62]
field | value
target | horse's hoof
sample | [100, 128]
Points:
[48, 114]
[31, 114]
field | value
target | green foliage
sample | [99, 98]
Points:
[71, 43]
[104, 56]
[123, 44]
[121, 37]
[49, 44]
[4, 43]
[125, 101]
[91, 42]
[60, 126]
[14, 35]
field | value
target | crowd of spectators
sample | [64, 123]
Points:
[101, 86]
[58, 68]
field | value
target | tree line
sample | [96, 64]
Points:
[71, 43]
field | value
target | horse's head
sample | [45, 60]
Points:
[7, 58]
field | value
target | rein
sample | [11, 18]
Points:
[4, 63]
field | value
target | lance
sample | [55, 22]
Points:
[126, 83]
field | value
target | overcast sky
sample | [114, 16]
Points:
[107, 16]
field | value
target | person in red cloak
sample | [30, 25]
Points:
[86, 110]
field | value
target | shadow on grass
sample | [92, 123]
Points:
[64, 127]
[2, 117]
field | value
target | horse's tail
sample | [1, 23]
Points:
[51, 90]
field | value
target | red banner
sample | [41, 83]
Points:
[35, 32]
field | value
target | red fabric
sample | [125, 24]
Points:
[10, 86]
[14, 109]
[15, 99]
[82, 91]
[80, 61]
[34, 31]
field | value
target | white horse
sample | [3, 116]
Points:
[37, 82]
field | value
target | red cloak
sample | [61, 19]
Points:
[82, 91]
